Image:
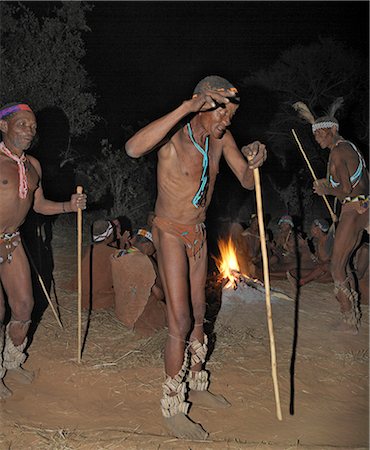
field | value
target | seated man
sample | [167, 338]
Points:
[97, 282]
[289, 249]
[139, 297]
[252, 242]
[323, 243]
[115, 232]
[252, 238]
[142, 241]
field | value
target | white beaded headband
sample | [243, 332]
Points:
[326, 124]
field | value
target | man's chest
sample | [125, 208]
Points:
[10, 174]
[193, 161]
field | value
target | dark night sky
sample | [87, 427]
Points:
[146, 57]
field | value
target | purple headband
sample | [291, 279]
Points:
[14, 108]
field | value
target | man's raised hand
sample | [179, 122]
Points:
[209, 99]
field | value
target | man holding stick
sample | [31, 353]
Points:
[191, 140]
[347, 180]
[20, 189]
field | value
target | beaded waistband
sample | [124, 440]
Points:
[8, 236]
[358, 198]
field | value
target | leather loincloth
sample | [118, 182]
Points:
[193, 236]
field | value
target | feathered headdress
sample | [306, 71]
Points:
[326, 121]
[304, 112]
[338, 103]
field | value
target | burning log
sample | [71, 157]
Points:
[243, 280]
[231, 277]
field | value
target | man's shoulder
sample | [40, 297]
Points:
[227, 141]
[344, 149]
[35, 163]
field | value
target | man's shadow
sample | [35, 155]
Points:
[53, 139]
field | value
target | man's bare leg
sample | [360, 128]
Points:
[347, 238]
[16, 279]
[4, 391]
[198, 378]
[173, 268]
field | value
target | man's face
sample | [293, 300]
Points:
[285, 227]
[19, 130]
[324, 136]
[220, 119]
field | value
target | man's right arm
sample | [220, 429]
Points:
[146, 139]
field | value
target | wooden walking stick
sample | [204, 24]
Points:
[266, 278]
[333, 216]
[79, 276]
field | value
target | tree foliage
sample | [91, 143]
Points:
[129, 183]
[41, 61]
[316, 74]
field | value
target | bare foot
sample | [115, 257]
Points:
[207, 399]
[21, 375]
[181, 426]
[345, 328]
[4, 391]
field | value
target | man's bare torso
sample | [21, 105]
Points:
[344, 151]
[179, 173]
[14, 209]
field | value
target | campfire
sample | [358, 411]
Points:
[229, 268]
[227, 264]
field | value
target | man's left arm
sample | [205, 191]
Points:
[254, 157]
[47, 207]
[339, 170]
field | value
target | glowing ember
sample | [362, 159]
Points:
[227, 263]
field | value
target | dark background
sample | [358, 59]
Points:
[146, 57]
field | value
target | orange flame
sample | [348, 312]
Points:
[227, 262]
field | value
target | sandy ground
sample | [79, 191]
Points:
[111, 399]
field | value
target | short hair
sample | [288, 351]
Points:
[214, 82]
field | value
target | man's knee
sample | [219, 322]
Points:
[22, 309]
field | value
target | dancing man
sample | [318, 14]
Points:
[191, 140]
[348, 180]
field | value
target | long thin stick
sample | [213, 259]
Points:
[266, 278]
[333, 216]
[42, 284]
[79, 276]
